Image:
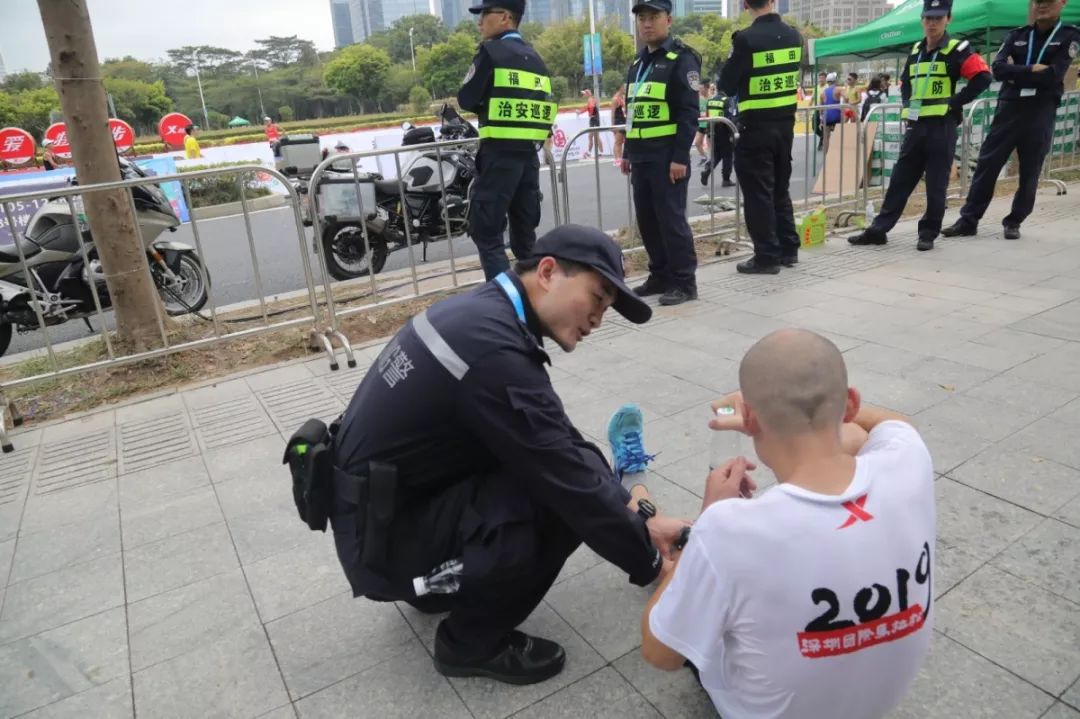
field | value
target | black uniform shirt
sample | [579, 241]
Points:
[1018, 76]
[482, 403]
[683, 103]
[963, 62]
[767, 32]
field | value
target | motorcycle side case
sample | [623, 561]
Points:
[338, 197]
[299, 154]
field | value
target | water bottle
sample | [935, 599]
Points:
[444, 579]
[869, 212]
[725, 444]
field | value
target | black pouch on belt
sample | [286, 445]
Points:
[381, 491]
[310, 461]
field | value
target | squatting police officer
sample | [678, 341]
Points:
[509, 89]
[495, 488]
[933, 110]
[661, 120]
[763, 72]
[1031, 65]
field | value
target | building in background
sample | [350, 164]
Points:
[366, 18]
[3, 70]
[734, 8]
[706, 7]
[454, 11]
[838, 15]
[342, 19]
[394, 10]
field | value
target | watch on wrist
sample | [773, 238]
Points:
[646, 509]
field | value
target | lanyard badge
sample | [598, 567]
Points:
[915, 105]
[642, 77]
[511, 291]
[1033, 91]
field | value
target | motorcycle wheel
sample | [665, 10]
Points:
[346, 255]
[190, 292]
[5, 336]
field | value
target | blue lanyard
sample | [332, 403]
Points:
[1031, 44]
[515, 35]
[511, 291]
[929, 70]
[638, 80]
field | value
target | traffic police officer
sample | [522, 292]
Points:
[493, 483]
[1031, 65]
[719, 105]
[933, 110]
[763, 73]
[661, 120]
[509, 89]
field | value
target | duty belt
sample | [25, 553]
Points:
[372, 497]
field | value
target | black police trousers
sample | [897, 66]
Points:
[1028, 128]
[763, 167]
[512, 551]
[660, 207]
[507, 188]
[929, 149]
[722, 153]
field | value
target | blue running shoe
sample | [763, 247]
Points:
[625, 435]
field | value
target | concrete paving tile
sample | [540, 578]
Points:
[881, 359]
[1027, 630]
[178, 560]
[908, 396]
[286, 712]
[404, 687]
[47, 551]
[86, 424]
[977, 523]
[935, 370]
[669, 395]
[63, 662]
[950, 445]
[1034, 397]
[996, 359]
[583, 558]
[234, 676]
[335, 639]
[182, 620]
[293, 580]
[1061, 711]
[255, 458]
[677, 695]
[671, 499]
[990, 316]
[1012, 338]
[7, 553]
[690, 473]
[977, 417]
[111, 700]
[216, 392]
[1049, 439]
[258, 535]
[1059, 367]
[257, 494]
[1069, 413]
[956, 682]
[169, 404]
[604, 608]
[39, 604]
[603, 695]
[952, 565]
[487, 699]
[1048, 556]
[675, 438]
[70, 506]
[1023, 478]
[159, 485]
[1070, 513]
[277, 376]
[778, 303]
[1062, 322]
[1072, 694]
[182, 513]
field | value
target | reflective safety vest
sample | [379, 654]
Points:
[715, 107]
[647, 108]
[519, 106]
[773, 81]
[932, 81]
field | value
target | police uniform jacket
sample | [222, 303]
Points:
[512, 69]
[461, 391]
[935, 81]
[763, 70]
[1018, 80]
[663, 124]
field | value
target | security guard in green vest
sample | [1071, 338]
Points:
[763, 73]
[509, 89]
[661, 120]
[933, 109]
[719, 105]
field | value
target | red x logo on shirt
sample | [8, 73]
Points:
[857, 512]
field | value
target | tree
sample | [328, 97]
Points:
[470, 28]
[285, 113]
[212, 60]
[20, 81]
[141, 103]
[33, 109]
[560, 46]
[444, 65]
[129, 68]
[709, 52]
[277, 52]
[529, 31]
[7, 109]
[419, 100]
[359, 71]
[428, 30]
[400, 81]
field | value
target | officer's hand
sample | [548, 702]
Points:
[625, 166]
[730, 480]
[664, 533]
[677, 172]
[1039, 67]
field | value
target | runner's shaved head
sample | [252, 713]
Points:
[795, 381]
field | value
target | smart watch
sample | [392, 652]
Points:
[646, 509]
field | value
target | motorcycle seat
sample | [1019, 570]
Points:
[10, 255]
[388, 187]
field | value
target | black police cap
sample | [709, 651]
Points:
[936, 8]
[662, 5]
[593, 248]
[514, 6]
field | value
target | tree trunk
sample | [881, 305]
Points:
[77, 75]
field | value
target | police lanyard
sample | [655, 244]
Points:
[647, 69]
[511, 291]
[1031, 44]
[512, 35]
[929, 71]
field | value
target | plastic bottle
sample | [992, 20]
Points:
[724, 444]
[444, 579]
[869, 212]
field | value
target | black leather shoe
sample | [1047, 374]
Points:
[868, 237]
[524, 660]
[649, 287]
[1012, 232]
[678, 295]
[705, 175]
[960, 228]
[925, 243]
[790, 261]
[728, 183]
[754, 266]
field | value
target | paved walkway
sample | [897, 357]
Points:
[152, 564]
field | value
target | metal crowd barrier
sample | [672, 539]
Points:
[219, 331]
[1066, 160]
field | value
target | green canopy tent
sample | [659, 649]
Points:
[238, 122]
[983, 22]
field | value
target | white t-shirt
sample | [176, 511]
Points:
[798, 604]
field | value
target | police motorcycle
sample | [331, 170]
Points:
[58, 282]
[426, 211]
